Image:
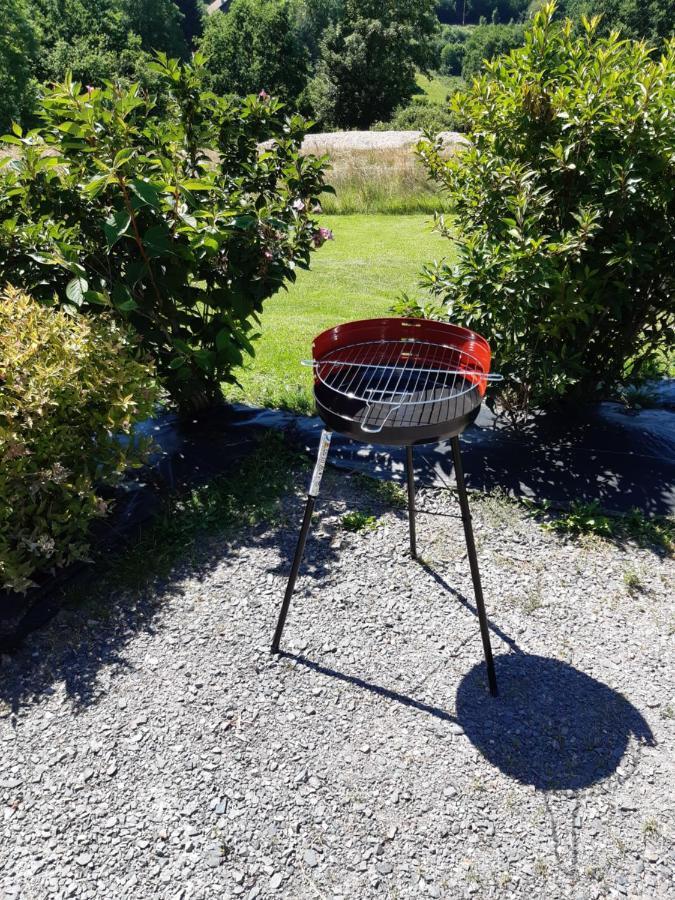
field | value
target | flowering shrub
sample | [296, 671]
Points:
[69, 386]
[565, 211]
[171, 218]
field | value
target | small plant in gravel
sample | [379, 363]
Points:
[388, 492]
[633, 581]
[583, 518]
[650, 827]
[358, 521]
[589, 519]
[541, 868]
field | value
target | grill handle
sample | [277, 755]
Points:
[369, 429]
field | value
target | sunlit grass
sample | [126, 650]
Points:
[357, 276]
[391, 181]
[437, 88]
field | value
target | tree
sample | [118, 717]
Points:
[254, 47]
[104, 39]
[312, 18]
[192, 23]
[651, 19]
[486, 42]
[565, 211]
[157, 23]
[18, 46]
[464, 12]
[368, 60]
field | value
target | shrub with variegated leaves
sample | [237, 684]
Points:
[71, 389]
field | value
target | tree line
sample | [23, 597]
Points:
[345, 63]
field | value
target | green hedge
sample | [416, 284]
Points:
[565, 211]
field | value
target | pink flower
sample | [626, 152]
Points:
[263, 95]
[299, 205]
[320, 237]
[90, 89]
[269, 256]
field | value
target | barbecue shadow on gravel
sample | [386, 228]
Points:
[552, 726]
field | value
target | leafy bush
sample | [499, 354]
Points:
[423, 115]
[565, 207]
[173, 219]
[69, 386]
[452, 58]
[486, 42]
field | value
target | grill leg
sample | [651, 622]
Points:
[473, 563]
[410, 471]
[312, 494]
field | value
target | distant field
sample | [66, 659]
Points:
[390, 181]
[437, 88]
[359, 275]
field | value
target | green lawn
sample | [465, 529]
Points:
[437, 88]
[357, 276]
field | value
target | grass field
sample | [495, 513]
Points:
[437, 88]
[359, 275]
[390, 181]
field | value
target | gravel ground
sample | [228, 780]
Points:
[151, 747]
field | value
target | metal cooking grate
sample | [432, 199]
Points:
[402, 383]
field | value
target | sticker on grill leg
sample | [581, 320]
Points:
[324, 445]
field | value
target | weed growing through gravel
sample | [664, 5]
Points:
[589, 519]
[633, 581]
[650, 827]
[388, 492]
[358, 521]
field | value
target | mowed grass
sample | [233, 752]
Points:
[437, 88]
[372, 260]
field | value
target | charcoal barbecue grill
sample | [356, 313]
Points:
[399, 382]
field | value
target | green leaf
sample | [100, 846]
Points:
[122, 298]
[196, 184]
[97, 184]
[76, 289]
[115, 226]
[123, 157]
[147, 192]
[96, 297]
[157, 240]
[245, 222]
